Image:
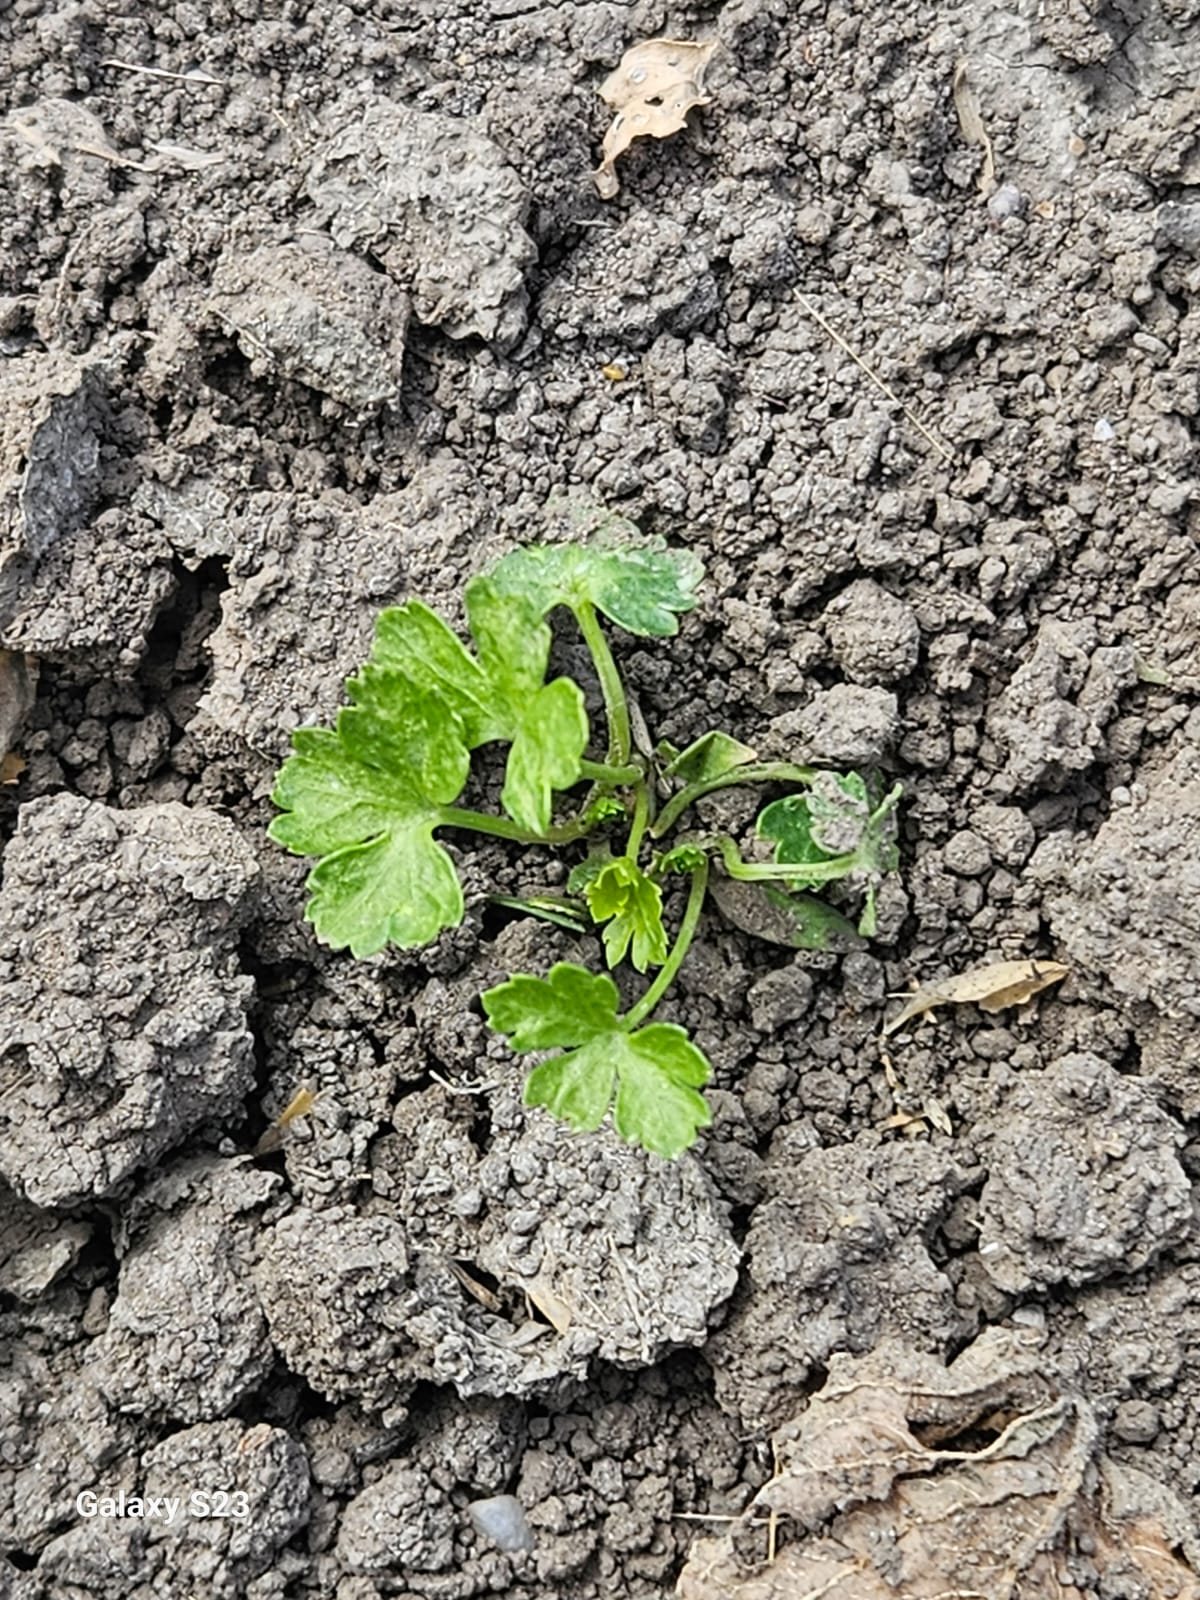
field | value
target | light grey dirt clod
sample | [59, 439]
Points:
[123, 1033]
[437, 203]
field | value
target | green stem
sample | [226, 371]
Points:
[502, 828]
[611, 777]
[670, 967]
[641, 815]
[620, 739]
[808, 873]
[755, 772]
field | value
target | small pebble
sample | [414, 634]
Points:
[502, 1520]
[1006, 201]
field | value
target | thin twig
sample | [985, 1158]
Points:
[203, 79]
[717, 1516]
[112, 156]
[883, 387]
[481, 1087]
[772, 1514]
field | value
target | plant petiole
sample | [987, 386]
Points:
[611, 777]
[754, 772]
[641, 815]
[669, 970]
[807, 874]
[616, 709]
[502, 828]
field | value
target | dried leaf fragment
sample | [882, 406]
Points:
[298, 1106]
[553, 1307]
[932, 1114]
[657, 83]
[972, 1482]
[991, 988]
[970, 121]
[475, 1287]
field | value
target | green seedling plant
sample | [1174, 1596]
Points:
[370, 796]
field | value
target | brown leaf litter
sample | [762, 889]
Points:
[652, 90]
[992, 988]
[908, 1480]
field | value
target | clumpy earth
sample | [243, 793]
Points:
[304, 310]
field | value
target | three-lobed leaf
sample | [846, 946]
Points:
[643, 588]
[657, 1070]
[498, 694]
[622, 896]
[366, 797]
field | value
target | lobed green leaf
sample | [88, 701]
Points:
[657, 1070]
[642, 587]
[622, 896]
[366, 797]
[568, 1006]
[418, 643]
[660, 1071]
[500, 694]
[548, 741]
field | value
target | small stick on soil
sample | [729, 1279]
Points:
[773, 1515]
[60, 287]
[203, 79]
[716, 1516]
[111, 156]
[971, 122]
[883, 387]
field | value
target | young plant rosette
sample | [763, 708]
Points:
[369, 796]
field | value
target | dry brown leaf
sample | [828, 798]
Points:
[932, 1114]
[970, 120]
[657, 83]
[938, 1117]
[907, 1478]
[475, 1288]
[552, 1306]
[184, 156]
[991, 988]
[298, 1106]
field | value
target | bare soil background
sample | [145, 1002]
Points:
[317, 314]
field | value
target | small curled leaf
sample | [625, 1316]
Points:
[622, 896]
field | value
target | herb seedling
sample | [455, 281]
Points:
[369, 796]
